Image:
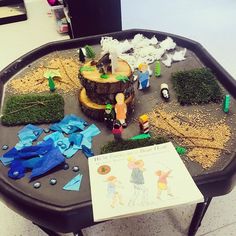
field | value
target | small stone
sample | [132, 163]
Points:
[66, 166]
[59, 143]
[75, 168]
[15, 173]
[5, 147]
[37, 185]
[63, 146]
[36, 133]
[69, 127]
[46, 130]
[53, 181]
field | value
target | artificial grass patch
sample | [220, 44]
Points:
[197, 86]
[33, 109]
[115, 146]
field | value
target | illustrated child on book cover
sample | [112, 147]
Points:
[162, 183]
[137, 178]
[112, 190]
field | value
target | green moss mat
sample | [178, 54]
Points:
[121, 145]
[196, 86]
[33, 109]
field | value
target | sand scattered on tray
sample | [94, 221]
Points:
[33, 81]
[204, 139]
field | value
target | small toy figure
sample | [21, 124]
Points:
[104, 64]
[90, 52]
[143, 76]
[144, 124]
[121, 109]
[112, 190]
[165, 92]
[81, 55]
[226, 103]
[162, 184]
[117, 130]
[109, 116]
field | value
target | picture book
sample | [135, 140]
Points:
[139, 181]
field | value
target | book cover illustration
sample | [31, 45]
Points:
[138, 181]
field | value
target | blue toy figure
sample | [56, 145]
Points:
[143, 76]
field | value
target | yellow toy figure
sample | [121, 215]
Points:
[121, 109]
[112, 192]
[143, 76]
[162, 184]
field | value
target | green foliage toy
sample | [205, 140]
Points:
[33, 109]
[226, 103]
[157, 70]
[126, 144]
[197, 86]
[51, 84]
[90, 52]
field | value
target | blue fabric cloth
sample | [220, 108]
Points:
[75, 142]
[87, 151]
[50, 160]
[29, 152]
[74, 184]
[82, 140]
[17, 171]
[27, 135]
[6, 161]
[69, 124]
[88, 134]
[59, 141]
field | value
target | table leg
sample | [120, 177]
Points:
[198, 215]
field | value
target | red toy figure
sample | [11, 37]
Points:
[117, 130]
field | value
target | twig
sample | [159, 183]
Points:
[216, 148]
[183, 119]
[50, 68]
[38, 103]
[64, 68]
[164, 118]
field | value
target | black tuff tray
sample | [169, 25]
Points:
[63, 214]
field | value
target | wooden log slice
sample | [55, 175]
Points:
[93, 82]
[96, 111]
[109, 98]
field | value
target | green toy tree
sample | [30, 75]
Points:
[90, 52]
[157, 70]
[51, 84]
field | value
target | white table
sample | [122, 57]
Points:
[19, 38]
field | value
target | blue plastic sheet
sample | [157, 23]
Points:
[69, 124]
[27, 135]
[74, 184]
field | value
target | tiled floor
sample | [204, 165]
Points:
[220, 220]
